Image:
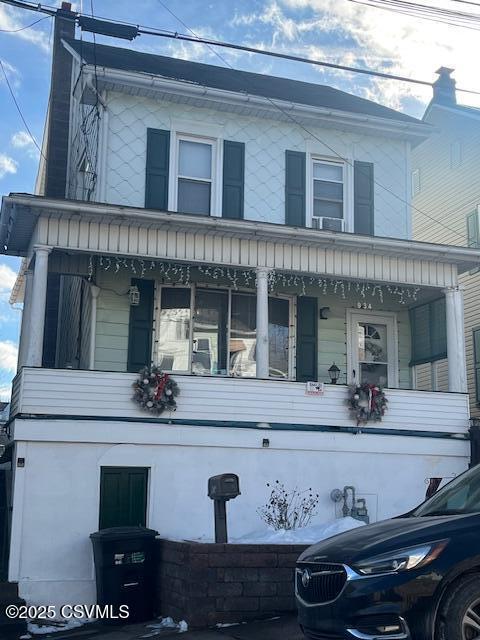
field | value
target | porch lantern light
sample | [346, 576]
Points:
[134, 296]
[334, 373]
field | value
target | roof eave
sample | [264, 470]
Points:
[465, 258]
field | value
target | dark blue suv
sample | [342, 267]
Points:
[415, 577]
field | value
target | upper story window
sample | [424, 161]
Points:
[195, 176]
[328, 210]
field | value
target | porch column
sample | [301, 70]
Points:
[26, 315]
[37, 310]
[94, 291]
[457, 368]
[262, 350]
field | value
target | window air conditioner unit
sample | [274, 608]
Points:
[328, 224]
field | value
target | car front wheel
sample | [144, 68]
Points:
[459, 616]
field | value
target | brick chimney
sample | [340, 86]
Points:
[59, 105]
[444, 88]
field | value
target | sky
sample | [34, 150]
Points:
[339, 31]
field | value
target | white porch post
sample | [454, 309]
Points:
[262, 349]
[37, 309]
[94, 290]
[457, 368]
[26, 315]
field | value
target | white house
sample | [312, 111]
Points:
[243, 232]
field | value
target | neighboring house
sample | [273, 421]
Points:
[243, 232]
[446, 197]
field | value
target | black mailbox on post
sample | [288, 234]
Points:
[221, 489]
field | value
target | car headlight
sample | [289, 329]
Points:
[401, 559]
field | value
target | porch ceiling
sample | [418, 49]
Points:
[113, 230]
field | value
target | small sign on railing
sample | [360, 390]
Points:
[314, 388]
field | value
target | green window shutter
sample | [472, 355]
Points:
[429, 332]
[158, 157]
[123, 497]
[438, 329]
[473, 230]
[363, 191]
[476, 361]
[295, 185]
[307, 330]
[233, 179]
[141, 327]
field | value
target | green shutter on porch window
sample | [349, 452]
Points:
[141, 327]
[307, 329]
[476, 362]
[363, 189]
[158, 158]
[429, 332]
[233, 179]
[295, 186]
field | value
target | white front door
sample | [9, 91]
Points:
[372, 348]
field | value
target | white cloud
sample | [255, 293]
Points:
[9, 21]
[5, 392]
[23, 140]
[7, 165]
[8, 356]
[355, 35]
[7, 278]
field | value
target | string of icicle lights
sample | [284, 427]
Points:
[179, 273]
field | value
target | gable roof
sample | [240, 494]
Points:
[273, 87]
[454, 109]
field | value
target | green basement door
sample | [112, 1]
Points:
[123, 497]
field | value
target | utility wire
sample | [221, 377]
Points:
[265, 52]
[211, 43]
[19, 110]
[28, 26]
[310, 133]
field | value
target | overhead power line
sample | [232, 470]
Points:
[19, 110]
[315, 137]
[28, 26]
[175, 35]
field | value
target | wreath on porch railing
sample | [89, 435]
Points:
[367, 401]
[155, 391]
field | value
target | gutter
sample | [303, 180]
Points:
[259, 230]
[140, 79]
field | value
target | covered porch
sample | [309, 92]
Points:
[115, 289]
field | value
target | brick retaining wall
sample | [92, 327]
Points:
[208, 583]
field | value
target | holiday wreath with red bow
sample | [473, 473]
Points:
[155, 391]
[367, 401]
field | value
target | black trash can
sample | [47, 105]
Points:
[125, 572]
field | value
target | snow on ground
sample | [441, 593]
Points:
[306, 535]
[166, 623]
[42, 629]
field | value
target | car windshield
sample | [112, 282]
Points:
[460, 496]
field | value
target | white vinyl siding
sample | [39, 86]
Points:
[449, 196]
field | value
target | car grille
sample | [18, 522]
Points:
[324, 585]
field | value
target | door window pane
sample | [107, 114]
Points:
[278, 330]
[243, 335]
[210, 326]
[174, 330]
[373, 353]
[194, 196]
[195, 159]
[374, 373]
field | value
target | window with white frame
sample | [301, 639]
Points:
[195, 161]
[328, 210]
[209, 331]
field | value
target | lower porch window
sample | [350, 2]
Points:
[213, 332]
